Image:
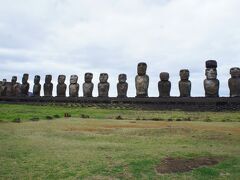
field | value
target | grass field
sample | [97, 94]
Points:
[99, 143]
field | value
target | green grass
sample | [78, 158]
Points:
[102, 147]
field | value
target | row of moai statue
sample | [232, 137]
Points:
[211, 84]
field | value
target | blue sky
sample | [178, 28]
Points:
[77, 36]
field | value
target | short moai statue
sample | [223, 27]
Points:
[61, 87]
[142, 81]
[122, 86]
[103, 85]
[74, 86]
[88, 85]
[184, 84]
[37, 86]
[48, 86]
[234, 82]
[164, 85]
[16, 87]
[211, 83]
[25, 85]
[3, 88]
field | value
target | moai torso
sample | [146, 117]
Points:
[3, 88]
[48, 86]
[211, 83]
[25, 85]
[234, 82]
[74, 86]
[142, 81]
[37, 86]
[122, 86]
[184, 83]
[88, 85]
[61, 87]
[16, 87]
[103, 85]
[164, 86]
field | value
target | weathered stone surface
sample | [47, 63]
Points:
[37, 86]
[234, 82]
[211, 83]
[142, 80]
[103, 85]
[74, 86]
[88, 85]
[25, 85]
[48, 86]
[184, 84]
[3, 87]
[15, 87]
[61, 87]
[122, 86]
[164, 86]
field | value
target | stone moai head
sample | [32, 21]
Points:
[48, 79]
[122, 78]
[88, 77]
[37, 79]
[235, 72]
[4, 82]
[103, 77]
[25, 78]
[14, 79]
[164, 76]
[61, 79]
[211, 69]
[184, 74]
[73, 79]
[142, 68]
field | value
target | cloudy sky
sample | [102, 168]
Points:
[77, 36]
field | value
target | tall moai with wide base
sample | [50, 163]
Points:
[48, 86]
[61, 87]
[211, 83]
[122, 86]
[184, 84]
[25, 85]
[103, 85]
[142, 80]
[234, 82]
[16, 87]
[88, 85]
[3, 88]
[37, 86]
[164, 86]
[74, 86]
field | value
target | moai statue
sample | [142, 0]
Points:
[37, 86]
[142, 80]
[61, 87]
[122, 86]
[184, 84]
[25, 85]
[164, 86]
[103, 85]
[3, 88]
[16, 87]
[234, 82]
[211, 83]
[48, 86]
[74, 86]
[88, 85]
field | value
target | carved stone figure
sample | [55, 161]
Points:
[25, 85]
[184, 84]
[88, 85]
[103, 85]
[234, 82]
[37, 86]
[16, 87]
[211, 83]
[61, 87]
[164, 86]
[3, 88]
[142, 80]
[48, 86]
[74, 86]
[122, 86]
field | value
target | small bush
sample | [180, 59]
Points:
[119, 117]
[49, 117]
[84, 116]
[16, 120]
[170, 119]
[56, 116]
[35, 119]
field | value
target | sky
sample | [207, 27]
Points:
[113, 36]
